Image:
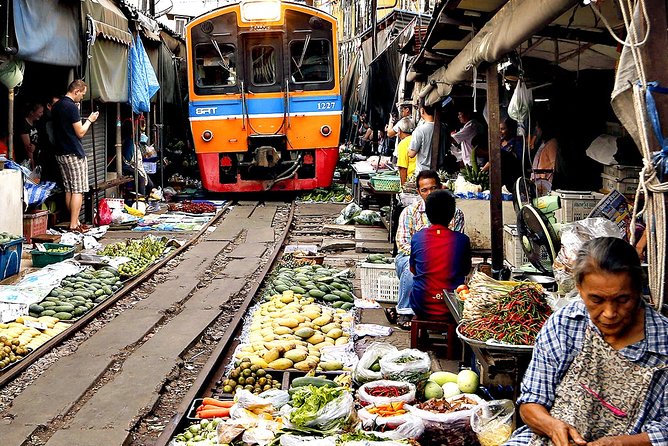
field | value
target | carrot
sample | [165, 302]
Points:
[207, 407]
[220, 412]
[215, 402]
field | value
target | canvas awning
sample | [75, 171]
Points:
[108, 67]
[54, 41]
[513, 24]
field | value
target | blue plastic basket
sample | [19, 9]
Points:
[10, 258]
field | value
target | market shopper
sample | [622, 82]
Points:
[27, 147]
[599, 373]
[47, 142]
[68, 131]
[405, 164]
[392, 127]
[545, 159]
[412, 220]
[464, 136]
[440, 259]
[420, 146]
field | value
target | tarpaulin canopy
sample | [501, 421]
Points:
[52, 41]
[142, 78]
[350, 94]
[383, 75]
[514, 23]
[108, 52]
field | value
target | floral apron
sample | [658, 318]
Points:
[601, 393]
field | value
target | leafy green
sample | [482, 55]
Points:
[358, 436]
[307, 402]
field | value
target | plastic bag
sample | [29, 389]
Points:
[573, 236]
[104, 216]
[298, 440]
[365, 398]
[411, 428]
[415, 369]
[373, 421]
[493, 422]
[447, 417]
[335, 415]
[362, 373]
[347, 214]
[255, 403]
[520, 104]
[277, 398]
[367, 217]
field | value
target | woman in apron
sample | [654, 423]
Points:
[599, 372]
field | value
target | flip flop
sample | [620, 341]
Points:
[391, 315]
[404, 322]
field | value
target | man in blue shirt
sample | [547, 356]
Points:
[599, 373]
[68, 131]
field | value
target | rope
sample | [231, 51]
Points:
[654, 208]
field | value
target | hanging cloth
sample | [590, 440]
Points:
[142, 79]
[660, 158]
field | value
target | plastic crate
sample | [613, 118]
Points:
[35, 223]
[575, 206]
[512, 248]
[41, 258]
[379, 282]
[10, 258]
[386, 183]
[625, 186]
[622, 172]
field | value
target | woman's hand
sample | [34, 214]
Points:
[562, 434]
[606, 441]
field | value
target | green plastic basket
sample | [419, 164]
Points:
[41, 258]
[386, 183]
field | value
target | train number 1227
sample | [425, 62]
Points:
[326, 105]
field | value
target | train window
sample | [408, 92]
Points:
[215, 64]
[263, 61]
[311, 60]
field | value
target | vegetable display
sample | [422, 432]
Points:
[336, 194]
[192, 208]
[441, 405]
[516, 319]
[6, 237]
[474, 175]
[142, 254]
[483, 293]
[248, 376]
[213, 408]
[308, 402]
[202, 433]
[24, 334]
[78, 294]
[379, 259]
[388, 410]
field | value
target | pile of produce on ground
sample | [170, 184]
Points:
[142, 253]
[353, 214]
[190, 207]
[322, 283]
[336, 194]
[78, 294]
[511, 316]
[6, 237]
[26, 333]
[249, 376]
[378, 259]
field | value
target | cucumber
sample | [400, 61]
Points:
[281, 288]
[330, 298]
[78, 311]
[63, 308]
[36, 308]
[338, 304]
[63, 316]
[298, 290]
[312, 381]
[47, 312]
[47, 304]
[347, 306]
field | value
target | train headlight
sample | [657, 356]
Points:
[207, 135]
[260, 10]
[325, 130]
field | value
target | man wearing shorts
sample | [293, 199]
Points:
[68, 131]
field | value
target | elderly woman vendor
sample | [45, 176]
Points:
[599, 373]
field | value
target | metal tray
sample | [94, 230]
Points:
[495, 346]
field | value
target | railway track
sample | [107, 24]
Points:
[11, 373]
[250, 235]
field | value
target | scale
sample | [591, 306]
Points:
[537, 226]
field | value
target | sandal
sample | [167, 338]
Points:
[404, 322]
[391, 315]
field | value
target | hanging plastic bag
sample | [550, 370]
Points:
[660, 158]
[493, 422]
[520, 104]
[409, 365]
[363, 372]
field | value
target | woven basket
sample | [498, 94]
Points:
[386, 183]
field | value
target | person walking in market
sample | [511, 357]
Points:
[405, 164]
[420, 146]
[440, 259]
[599, 372]
[68, 132]
[412, 220]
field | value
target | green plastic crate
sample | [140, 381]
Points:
[386, 183]
[43, 258]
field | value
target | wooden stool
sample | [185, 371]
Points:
[421, 339]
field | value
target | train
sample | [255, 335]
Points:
[264, 102]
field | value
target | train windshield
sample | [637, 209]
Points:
[310, 60]
[215, 64]
[263, 63]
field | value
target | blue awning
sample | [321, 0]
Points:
[47, 31]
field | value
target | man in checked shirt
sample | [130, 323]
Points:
[411, 220]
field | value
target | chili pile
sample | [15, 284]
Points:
[516, 319]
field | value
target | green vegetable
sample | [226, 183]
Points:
[307, 402]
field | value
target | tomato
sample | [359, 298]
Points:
[461, 288]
